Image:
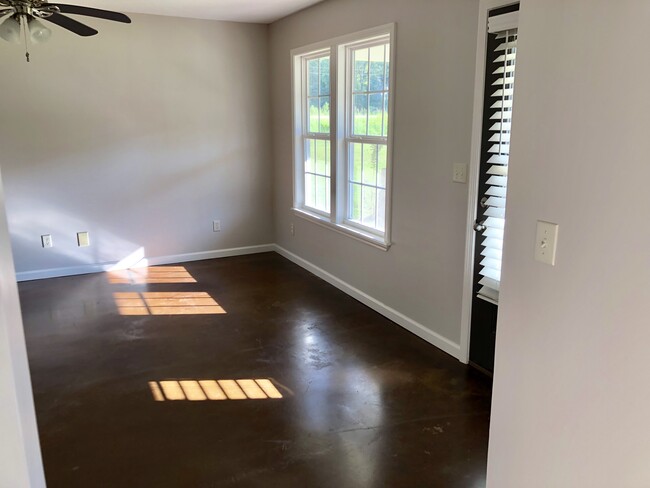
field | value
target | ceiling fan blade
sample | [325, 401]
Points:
[91, 12]
[71, 25]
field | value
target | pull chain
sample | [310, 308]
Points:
[23, 20]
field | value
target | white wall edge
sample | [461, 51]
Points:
[152, 261]
[409, 324]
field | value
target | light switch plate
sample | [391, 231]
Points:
[460, 173]
[546, 242]
[46, 240]
[83, 239]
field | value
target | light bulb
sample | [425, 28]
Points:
[10, 30]
[38, 32]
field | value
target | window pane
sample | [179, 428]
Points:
[324, 114]
[310, 152]
[325, 75]
[377, 68]
[360, 113]
[375, 120]
[382, 163]
[312, 78]
[385, 128]
[368, 206]
[313, 115]
[381, 210]
[322, 193]
[322, 158]
[360, 63]
[355, 202]
[387, 67]
[310, 191]
[356, 162]
[370, 164]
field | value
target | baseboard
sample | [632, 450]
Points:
[152, 261]
[409, 324]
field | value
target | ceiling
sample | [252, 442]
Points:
[258, 11]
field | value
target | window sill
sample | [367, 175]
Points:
[359, 235]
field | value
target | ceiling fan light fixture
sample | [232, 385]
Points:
[10, 30]
[38, 32]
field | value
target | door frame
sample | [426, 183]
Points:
[474, 170]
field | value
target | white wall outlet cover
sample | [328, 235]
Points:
[460, 173]
[83, 239]
[546, 242]
[216, 226]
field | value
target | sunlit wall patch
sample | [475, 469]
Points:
[215, 390]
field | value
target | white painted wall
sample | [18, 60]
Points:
[572, 390]
[421, 275]
[141, 135]
[20, 456]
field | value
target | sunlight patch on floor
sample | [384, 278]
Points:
[202, 390]
[166, 303]
[143, 276]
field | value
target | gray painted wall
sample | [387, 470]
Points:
[142, 136]
[421, 275]
[20, 457]
[571, 391]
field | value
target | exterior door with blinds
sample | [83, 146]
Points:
[493, 182]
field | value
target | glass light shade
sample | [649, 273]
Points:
[10, 30]
[38, 32]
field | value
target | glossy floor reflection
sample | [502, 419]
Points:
[364, 402]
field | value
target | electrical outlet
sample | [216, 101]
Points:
[216, 226]
[460, 173]
[293, 229]
[46, 240]
[83, 239]
[546, 242]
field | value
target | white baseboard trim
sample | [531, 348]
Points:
[152, 261]
[409, 324]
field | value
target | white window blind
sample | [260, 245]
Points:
[494, 199]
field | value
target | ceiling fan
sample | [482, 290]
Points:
[25, 14]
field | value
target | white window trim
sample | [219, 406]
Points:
[337, 219]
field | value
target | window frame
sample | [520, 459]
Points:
[341, 136]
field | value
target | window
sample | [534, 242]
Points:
[342, 97]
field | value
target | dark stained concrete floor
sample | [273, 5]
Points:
[366, 403]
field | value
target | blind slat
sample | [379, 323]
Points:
[498, 181]
[500, 136]
[499, 127]
[493, 232]
[495, 222]
[496, 191]
[491, 263]
[490, 273]
[498, 159]
[503, 92]
[495, 212]
[509, 80]
[492, 253]
[502, 149]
